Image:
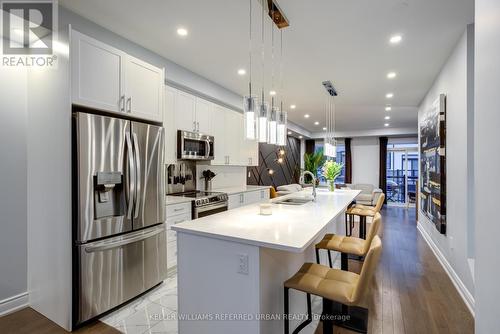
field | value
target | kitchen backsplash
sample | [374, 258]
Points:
[227, 176]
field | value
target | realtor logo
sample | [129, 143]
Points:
[27, 27]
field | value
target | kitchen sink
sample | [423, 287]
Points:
[294, 201]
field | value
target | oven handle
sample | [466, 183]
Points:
[207, 149]
[211, 207]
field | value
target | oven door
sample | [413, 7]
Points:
[208, 210]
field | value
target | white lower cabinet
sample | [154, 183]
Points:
[247, 198]
[175, 213]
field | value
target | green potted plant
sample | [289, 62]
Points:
[331, 170]
[312, 162]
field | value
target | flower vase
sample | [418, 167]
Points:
[332, 185]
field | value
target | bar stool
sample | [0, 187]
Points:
[345, 294]
[348, 245]
[362, 211]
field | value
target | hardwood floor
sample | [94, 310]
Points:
[28, 321]
[411, 291]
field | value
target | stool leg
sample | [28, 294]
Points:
[330, 258]
[344, 264]
[364, 228]
[317, 256]
[285, 315]
[327, 314]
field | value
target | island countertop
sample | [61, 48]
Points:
[290, 227]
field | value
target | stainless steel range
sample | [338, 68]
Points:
[206, 203]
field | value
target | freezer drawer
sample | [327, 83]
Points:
[115, 270]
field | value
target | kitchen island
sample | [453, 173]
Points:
[231, 266]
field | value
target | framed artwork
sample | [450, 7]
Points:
[432, 129]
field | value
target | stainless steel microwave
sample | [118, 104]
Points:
[194, 146]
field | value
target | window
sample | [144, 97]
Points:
[340, 158]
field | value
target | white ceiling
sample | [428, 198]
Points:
[338, 40]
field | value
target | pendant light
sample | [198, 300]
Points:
[249, 101]
[330, 146]
[263, 118]
[282, 116]
[273, 119]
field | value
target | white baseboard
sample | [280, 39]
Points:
[467, 297]
[13, 303]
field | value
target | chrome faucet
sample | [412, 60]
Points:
[313, 182]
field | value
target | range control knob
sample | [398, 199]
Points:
[198, 202]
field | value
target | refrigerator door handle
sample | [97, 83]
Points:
[132, 177]
[102, 246]
[138, 187]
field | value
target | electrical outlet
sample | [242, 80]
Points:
[243, 264]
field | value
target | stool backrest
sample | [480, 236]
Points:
[374, 229]
[380, 202]
[368, 270]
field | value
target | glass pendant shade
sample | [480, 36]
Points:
[282, 128]
[263, 120]
[250, 119]
[273, 127]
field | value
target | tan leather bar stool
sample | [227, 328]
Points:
[362, 211]
[345, 294]
[348, 245]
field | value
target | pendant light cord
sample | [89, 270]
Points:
[262, 51]
[250, 47]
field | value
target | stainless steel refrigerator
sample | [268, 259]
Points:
[119, 232]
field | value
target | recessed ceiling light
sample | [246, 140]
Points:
[316, 123]
[388, 108]
[387, 117]
[289, 132]
[389, 95]
[300, 137]
[386, 124]
[395, 39]
[293, 106]
[182, 32]
[324, 129]
[242, 71]
[391, 75]
[272, 93]
[306, 116]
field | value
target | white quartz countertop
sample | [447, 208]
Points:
[170, 200]
[290, 228]
[242, 189]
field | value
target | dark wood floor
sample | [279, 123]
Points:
[411, 291]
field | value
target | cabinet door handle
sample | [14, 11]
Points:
[198, 126]
[122, 103]
[194, 126]
[129, 104]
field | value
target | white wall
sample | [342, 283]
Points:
[13, 263]
[365, 160]
[487, 160]
[452, 81]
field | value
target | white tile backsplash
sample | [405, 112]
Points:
[227, 176]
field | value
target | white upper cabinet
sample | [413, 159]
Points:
[144, 89]
[97, 74]
[203, 112]
[108, 79]
[169, 125]
[217, 129]
[185, 107]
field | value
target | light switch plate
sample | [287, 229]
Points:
[243, 264]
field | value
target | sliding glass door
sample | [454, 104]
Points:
[402, 175]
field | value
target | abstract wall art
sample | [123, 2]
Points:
[432, 129]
